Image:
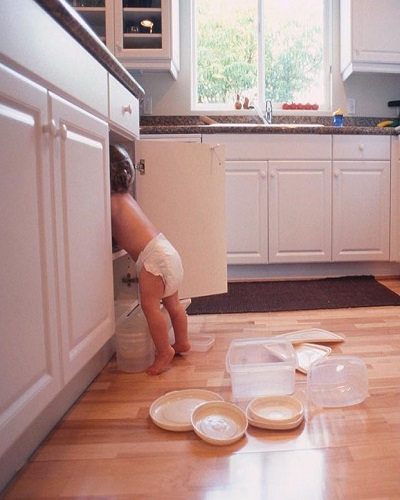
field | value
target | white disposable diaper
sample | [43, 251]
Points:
[160, 258]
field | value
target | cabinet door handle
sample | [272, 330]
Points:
[337, 173]
[52, 129]
[127, 109]
[273, 173]
[263, 174]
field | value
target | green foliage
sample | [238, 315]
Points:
[227, 59]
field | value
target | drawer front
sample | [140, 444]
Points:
[123, 108]
[361, 147]
[55, 59]
[273, 146]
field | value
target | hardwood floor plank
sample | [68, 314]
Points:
[107, 447]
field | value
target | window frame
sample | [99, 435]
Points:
[277, 106]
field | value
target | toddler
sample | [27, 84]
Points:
[158, 264]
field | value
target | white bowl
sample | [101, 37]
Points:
[219, 423]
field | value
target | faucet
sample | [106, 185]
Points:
[268, 111]
[266, 116]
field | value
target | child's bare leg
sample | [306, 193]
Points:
[151, 290]
[178, 317]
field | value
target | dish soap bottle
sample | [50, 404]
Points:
[338, 118]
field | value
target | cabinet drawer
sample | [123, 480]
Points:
[361, 147]
[123, 107]
[273, 146]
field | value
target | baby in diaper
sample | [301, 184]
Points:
[158, 264]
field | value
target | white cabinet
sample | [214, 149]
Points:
[246, 214]
[369, 36]
[361, 198]
[278, 192]
[29, 356]
[182, 193]
[299, 211]
[56, 271]
[83, 229]
[121, 24]
[395, 200]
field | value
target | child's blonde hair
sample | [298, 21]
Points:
[122, 171]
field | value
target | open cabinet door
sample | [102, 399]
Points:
[182, 191]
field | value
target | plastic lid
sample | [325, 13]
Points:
[219, 423]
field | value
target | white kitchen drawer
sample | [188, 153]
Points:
[361, 147]
[55, 59]
[273, 146]
[123, 108]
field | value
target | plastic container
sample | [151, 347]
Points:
[261, 367]
[135, 348]
[337, 118]
[337, 381]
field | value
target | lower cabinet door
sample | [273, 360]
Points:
[299, 211]
[182, 191]
[83, 222]
[29, 360]
[361, 210]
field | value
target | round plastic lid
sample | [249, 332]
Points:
[219, 423]
[173, 411]
[275, 412]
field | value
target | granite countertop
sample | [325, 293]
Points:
[252, 125]
[68, 18]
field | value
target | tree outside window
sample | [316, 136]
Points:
[261, 49]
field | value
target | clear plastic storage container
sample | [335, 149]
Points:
[261, 367]
[337, 381]
[135, 348]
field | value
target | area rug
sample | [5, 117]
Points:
[268, 296]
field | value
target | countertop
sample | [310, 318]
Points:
[281, 125]
[68, 18]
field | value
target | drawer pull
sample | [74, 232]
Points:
[127, 109]
[361, 147]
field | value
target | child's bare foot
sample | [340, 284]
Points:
[161, 361]
[180, 347]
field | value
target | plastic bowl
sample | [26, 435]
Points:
[337, 381]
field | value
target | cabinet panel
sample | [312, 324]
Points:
[299, 211]
[370, 38]
[62, 64]
[29, 370]
[361, 147]
[151, 48]
[361, 210]
[124, 108]
[273, 147]
[246, 205]
[82, 194]
[183, 194]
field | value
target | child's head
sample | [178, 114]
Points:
[122, 171]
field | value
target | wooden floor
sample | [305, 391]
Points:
[107, 446]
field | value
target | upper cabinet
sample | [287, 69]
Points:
[142, 34]
[369, 36]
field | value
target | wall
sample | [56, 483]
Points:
[371, 92]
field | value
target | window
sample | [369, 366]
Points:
[261, 49]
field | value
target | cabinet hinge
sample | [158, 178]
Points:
[129, 280]
[141, 167]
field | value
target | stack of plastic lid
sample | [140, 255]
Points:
[275, 412]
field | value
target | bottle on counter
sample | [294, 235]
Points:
[338, 118]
